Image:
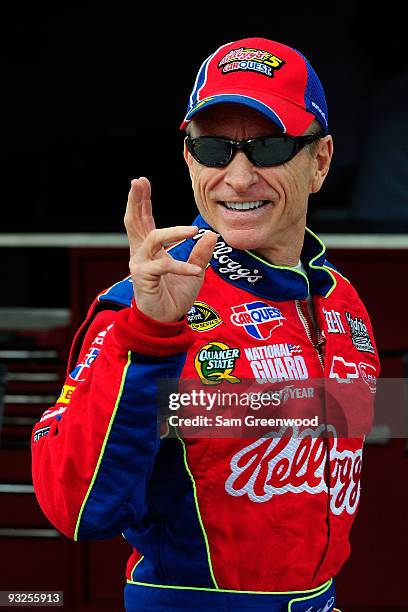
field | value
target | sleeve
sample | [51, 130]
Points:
[93, 452]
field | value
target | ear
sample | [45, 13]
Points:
[188, 157]
[321, 162]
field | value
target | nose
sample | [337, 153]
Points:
[240, 173]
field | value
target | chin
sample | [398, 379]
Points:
[243, 239]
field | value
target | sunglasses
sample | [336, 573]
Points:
[215, 152]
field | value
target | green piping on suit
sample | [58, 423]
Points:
[312, 592]
[198, 512]
[105, 441]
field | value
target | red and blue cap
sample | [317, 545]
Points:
[270, 77]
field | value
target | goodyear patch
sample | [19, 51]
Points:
[203, 317]
[215, 362]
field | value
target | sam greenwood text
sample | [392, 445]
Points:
[248, 421]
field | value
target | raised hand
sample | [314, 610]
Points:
[164, 288]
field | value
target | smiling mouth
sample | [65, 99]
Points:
[243, 206]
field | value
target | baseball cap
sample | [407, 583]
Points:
[270, 77]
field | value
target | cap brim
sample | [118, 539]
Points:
[289, 117]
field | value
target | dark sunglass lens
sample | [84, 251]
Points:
[211, 151]
[272, 151]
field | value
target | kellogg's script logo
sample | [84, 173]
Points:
[255, 60]
[202, 317]
[359, 333]
[293, 462]
[233, 269]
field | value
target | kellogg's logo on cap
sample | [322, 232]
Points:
[245, 58]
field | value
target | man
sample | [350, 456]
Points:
[220, 522]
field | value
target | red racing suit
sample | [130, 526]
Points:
[216, 513]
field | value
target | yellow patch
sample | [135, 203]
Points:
[66, 395]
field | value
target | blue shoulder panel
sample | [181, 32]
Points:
[120, 293]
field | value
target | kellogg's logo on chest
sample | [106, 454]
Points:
[257, 318]
[290, 461]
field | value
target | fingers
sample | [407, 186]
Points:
[158, 238]
[139, 221]
[146, 241]
[150, 270]
[203, 250]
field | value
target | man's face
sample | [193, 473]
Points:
[283, 190]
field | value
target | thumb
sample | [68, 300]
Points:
[203, 250]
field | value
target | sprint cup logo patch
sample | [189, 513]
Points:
[255, 60]
[214, 363]
[202, 317]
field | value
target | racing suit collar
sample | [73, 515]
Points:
[250, 272]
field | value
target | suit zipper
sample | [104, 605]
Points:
[318, 348]
[305, 323]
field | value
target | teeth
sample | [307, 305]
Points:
[244, 205]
